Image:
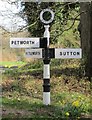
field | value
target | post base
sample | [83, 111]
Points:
[46, 98]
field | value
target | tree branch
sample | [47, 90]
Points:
[74, 19]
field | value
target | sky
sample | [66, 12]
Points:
[9, 17]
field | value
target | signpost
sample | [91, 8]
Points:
[67, 53]
[58, 53]
[28, 42]
[40, 49]
[33, 53]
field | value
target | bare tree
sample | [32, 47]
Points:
[12, 16]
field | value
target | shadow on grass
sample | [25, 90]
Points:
[34, 109]
[55, 72]
[31, 109]
[66, 71]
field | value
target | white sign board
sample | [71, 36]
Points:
[24, 42]
[68, 53]
[33, 53]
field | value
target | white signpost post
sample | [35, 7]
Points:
[40, 49]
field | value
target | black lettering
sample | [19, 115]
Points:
[21, 42]
[38, 53]
[60, 53]
[27, 42]
[78, 53]
[24, 42]
[64, 53]
[67, 53]
[74, 53]
[17, 42]
[27, 53]
[12, 42]
[30, 53]
[71, 53]
[34, 53]
[32, 42]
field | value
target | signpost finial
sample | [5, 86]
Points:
[51, 16]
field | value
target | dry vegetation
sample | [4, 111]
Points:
[70, 92]
[7, 53]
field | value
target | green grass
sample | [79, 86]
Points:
[61, 104]
[22, 103]
[10, 63]
[70, 93]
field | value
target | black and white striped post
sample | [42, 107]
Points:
[46, 60]
[46, 70]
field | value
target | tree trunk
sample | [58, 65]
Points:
[86, 35]
[90, 51]
[85, 27]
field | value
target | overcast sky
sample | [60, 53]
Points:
[9, 17]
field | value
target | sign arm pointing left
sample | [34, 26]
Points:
[28, 42]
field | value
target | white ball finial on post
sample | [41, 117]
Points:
[47, 34]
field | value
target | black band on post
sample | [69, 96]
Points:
[46, 85]
[46, 61]
[43, 42]
[51, 53]
[48, 53]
